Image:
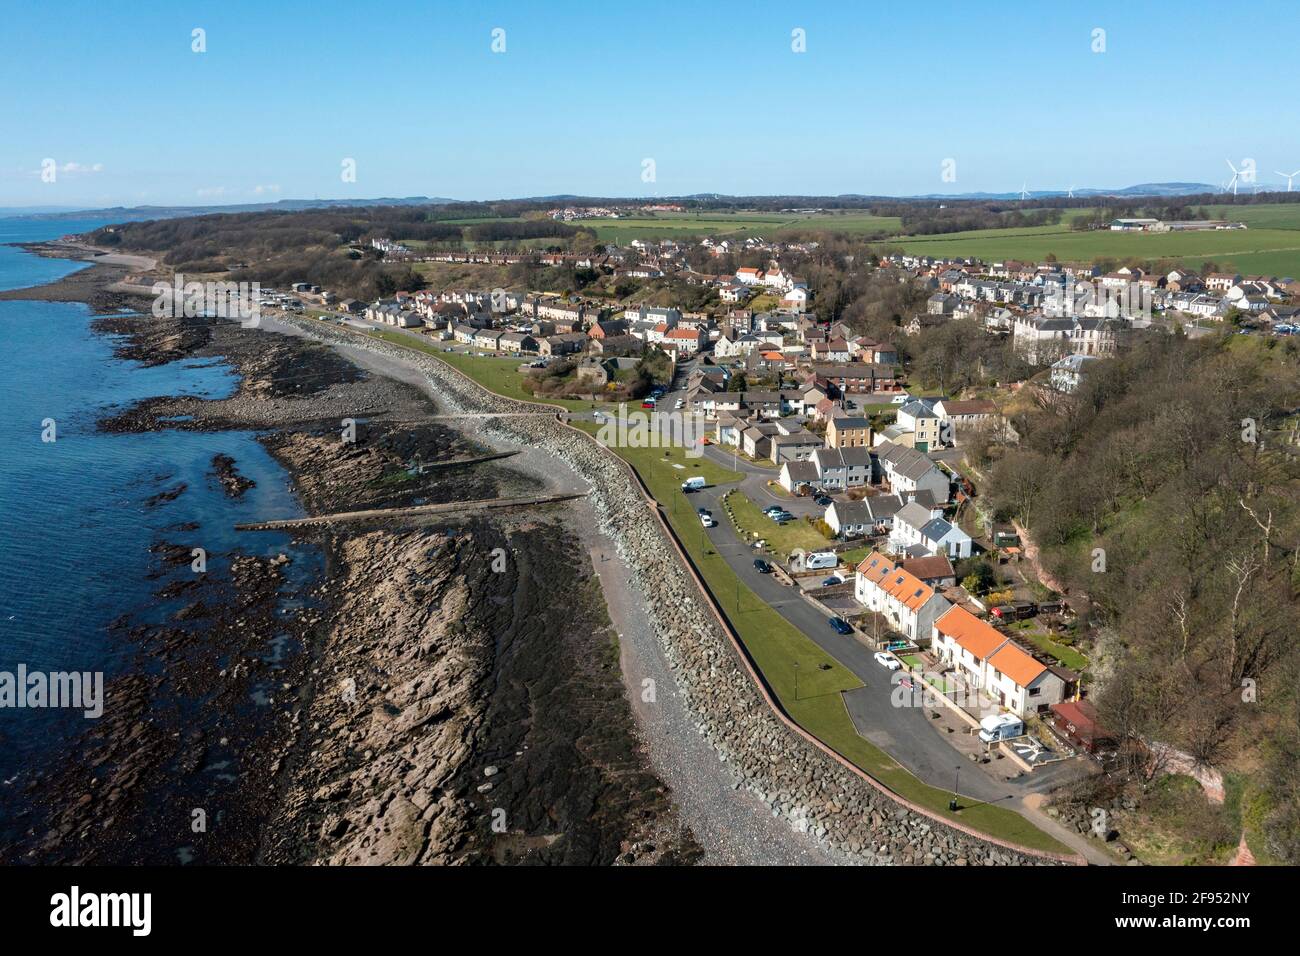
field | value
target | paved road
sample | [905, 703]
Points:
[906, 733]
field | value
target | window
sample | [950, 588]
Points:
[1033, 691]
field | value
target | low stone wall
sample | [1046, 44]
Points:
[797, 777]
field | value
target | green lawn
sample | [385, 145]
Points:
[1066, 655]
[781, 538]
[500, 375]
[779, 650]
[856, 556]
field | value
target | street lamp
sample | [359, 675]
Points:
[956, 785]
[796, 680]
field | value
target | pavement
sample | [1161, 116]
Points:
[906, 733]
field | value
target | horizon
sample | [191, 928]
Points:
[1090, 192]
[503, 101]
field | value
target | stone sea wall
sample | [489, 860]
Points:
[796, 778]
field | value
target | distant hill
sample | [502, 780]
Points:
[1128, 192]
[142, 213]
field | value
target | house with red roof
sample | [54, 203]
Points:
[686, 341]
[991, 662]
[908, 603]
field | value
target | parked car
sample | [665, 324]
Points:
[887, 662]
[841, 626]
[833, 580]
[823, 501]
[762, 566]
[702, 512]
[707, 520]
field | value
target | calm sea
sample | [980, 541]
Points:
[75, 529]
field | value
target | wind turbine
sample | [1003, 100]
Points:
[1288, 177]
[1232, 183]
[1069, 193]
[1024, 193]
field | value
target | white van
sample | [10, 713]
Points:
[1001, 727]
[694, 484]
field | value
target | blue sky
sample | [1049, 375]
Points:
[584, 92]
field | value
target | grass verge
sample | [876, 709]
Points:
[780, 650]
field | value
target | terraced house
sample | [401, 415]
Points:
[991, 662]
[909, 604]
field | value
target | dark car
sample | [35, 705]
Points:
[702, 511]
[822, 500]
[841, 626]
[762, 566]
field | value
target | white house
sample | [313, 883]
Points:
[992, 663]
[1068, 372]
[916, 526]
[908, 470]
[795, 474]
[908, 603]
[853, 519]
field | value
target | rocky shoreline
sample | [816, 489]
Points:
[799, 782]
[383, 691]
[362, 782]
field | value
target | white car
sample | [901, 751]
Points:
[707, 521]
[887, 662]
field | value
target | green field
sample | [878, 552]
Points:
[1263, 216]
[780, 650]
[1270, 246]
[738, 225]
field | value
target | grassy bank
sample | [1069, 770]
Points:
[782, 538]
[500, 375]
[786, 657]
[781, 650]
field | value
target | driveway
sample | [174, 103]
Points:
[906, 733]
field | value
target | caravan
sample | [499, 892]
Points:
[997, 727]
